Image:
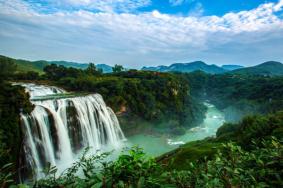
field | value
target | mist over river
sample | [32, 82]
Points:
[157, 145]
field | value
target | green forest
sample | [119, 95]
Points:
[247, 152]
[152, 97]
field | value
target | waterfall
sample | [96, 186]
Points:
[58, 130]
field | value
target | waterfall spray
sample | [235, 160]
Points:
[57, 130]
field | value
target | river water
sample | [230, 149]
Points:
[158, 145]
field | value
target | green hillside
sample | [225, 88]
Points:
[270, 68]
[26, 66]
[37, 66]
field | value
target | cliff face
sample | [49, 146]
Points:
[13, 101]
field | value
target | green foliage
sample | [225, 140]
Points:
[55, 72]
[30, 75]
[117, 68]
[231, 166]
[6, 175]
[234, 167]
[238, 95]
[92, 70]
[131, 169]
[13, 101]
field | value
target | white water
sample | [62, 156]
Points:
[59, 129]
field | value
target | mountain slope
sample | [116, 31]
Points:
[37, 66]
[69, 64]
[105, 68]
[188, 67]
[231, 67]
[271, 68]
[25, 66]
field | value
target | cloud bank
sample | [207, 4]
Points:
[112, 32]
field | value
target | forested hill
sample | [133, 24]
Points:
[37, 66]
[238, 95]
[270, 68]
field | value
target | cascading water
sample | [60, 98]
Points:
[57, 130]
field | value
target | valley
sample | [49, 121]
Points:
[69, 119]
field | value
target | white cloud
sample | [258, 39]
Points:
[133, 39]
[279, 6]
[179, 2]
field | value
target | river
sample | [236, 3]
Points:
[157, 145]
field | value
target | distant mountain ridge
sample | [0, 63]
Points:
[269, 68]
[232, 67]
[188, 67]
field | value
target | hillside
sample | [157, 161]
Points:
[26, 66]
[188, 67]
[105, 68]
[37, 66]
[69, 64]
[271, 68]
[231, 67]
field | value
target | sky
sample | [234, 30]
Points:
[137, 33]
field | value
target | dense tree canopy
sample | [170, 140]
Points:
[238, 94]
[118, 68]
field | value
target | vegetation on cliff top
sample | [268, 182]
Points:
[154, 97]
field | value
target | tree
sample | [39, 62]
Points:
[118, 68]
[51, 71]
[92, 70]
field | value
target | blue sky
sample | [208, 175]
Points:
[138, 33]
